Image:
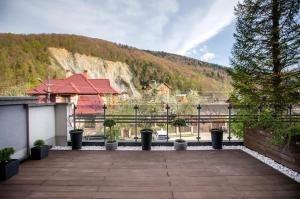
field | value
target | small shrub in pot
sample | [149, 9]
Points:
[40, 150]
[110, 143]
[8, 167]
[179, 144]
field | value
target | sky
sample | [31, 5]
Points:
[202, 29]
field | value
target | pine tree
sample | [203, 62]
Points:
[266, 53]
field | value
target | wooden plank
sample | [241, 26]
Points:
[140, 174]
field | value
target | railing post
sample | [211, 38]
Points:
[74, 114]
[135, 110]
[229, 121]
[290, 113]
[198, 122]
[167, 107]
[104, 116]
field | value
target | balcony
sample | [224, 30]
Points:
[206, 173]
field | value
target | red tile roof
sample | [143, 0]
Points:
[89, 104]
[75, 84]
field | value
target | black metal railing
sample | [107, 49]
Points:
[136, 118]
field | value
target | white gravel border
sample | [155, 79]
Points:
[282, 169]
[139, 148]
[279, 167]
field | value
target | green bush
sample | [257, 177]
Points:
[282, 131]
[237, 129]
[179, 122]
[284, 135]
[5, 154]
[39, 143]
[110, 123]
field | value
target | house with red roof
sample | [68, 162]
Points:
[89, 95]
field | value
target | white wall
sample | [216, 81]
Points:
[62, 123]
[41, 123]
[13, 133]
[23, 121]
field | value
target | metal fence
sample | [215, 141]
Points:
[217, 115]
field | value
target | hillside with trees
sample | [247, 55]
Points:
[26, 58]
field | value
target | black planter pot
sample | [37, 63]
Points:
[9, 169]
[146, 138]
[38, 153]
[76, 138]
[217, 138]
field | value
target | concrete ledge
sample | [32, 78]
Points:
[13, 100]
[41, 105]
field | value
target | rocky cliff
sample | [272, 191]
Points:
[118, 73]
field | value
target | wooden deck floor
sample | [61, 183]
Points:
[140, 174]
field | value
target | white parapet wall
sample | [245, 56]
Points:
[23, 121]
[13, 122]
[41, 123]
[63, 123]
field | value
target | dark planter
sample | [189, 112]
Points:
[261, 141]
[146, 138]
[38, 153]
[217, 138]
[76, 138]
[9, 169]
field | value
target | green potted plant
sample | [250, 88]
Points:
[40, 150]
[8, 167]
[179, 144]
[110, 143]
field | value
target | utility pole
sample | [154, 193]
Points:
[48, 90]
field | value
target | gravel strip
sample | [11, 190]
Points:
[279, 167]
[284, 170]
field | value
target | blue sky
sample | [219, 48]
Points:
[201, 29]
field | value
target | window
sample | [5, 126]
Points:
[90, 123]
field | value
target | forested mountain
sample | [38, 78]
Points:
[26, 58]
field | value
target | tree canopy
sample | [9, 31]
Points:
[266, 52]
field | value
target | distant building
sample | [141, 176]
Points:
[89, 95]
[181, 98]
[161, 91]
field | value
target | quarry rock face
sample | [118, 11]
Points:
[118, 73]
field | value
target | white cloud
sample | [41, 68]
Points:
[202, 53]
[207, 56]
[156, 25]
[202, 28]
